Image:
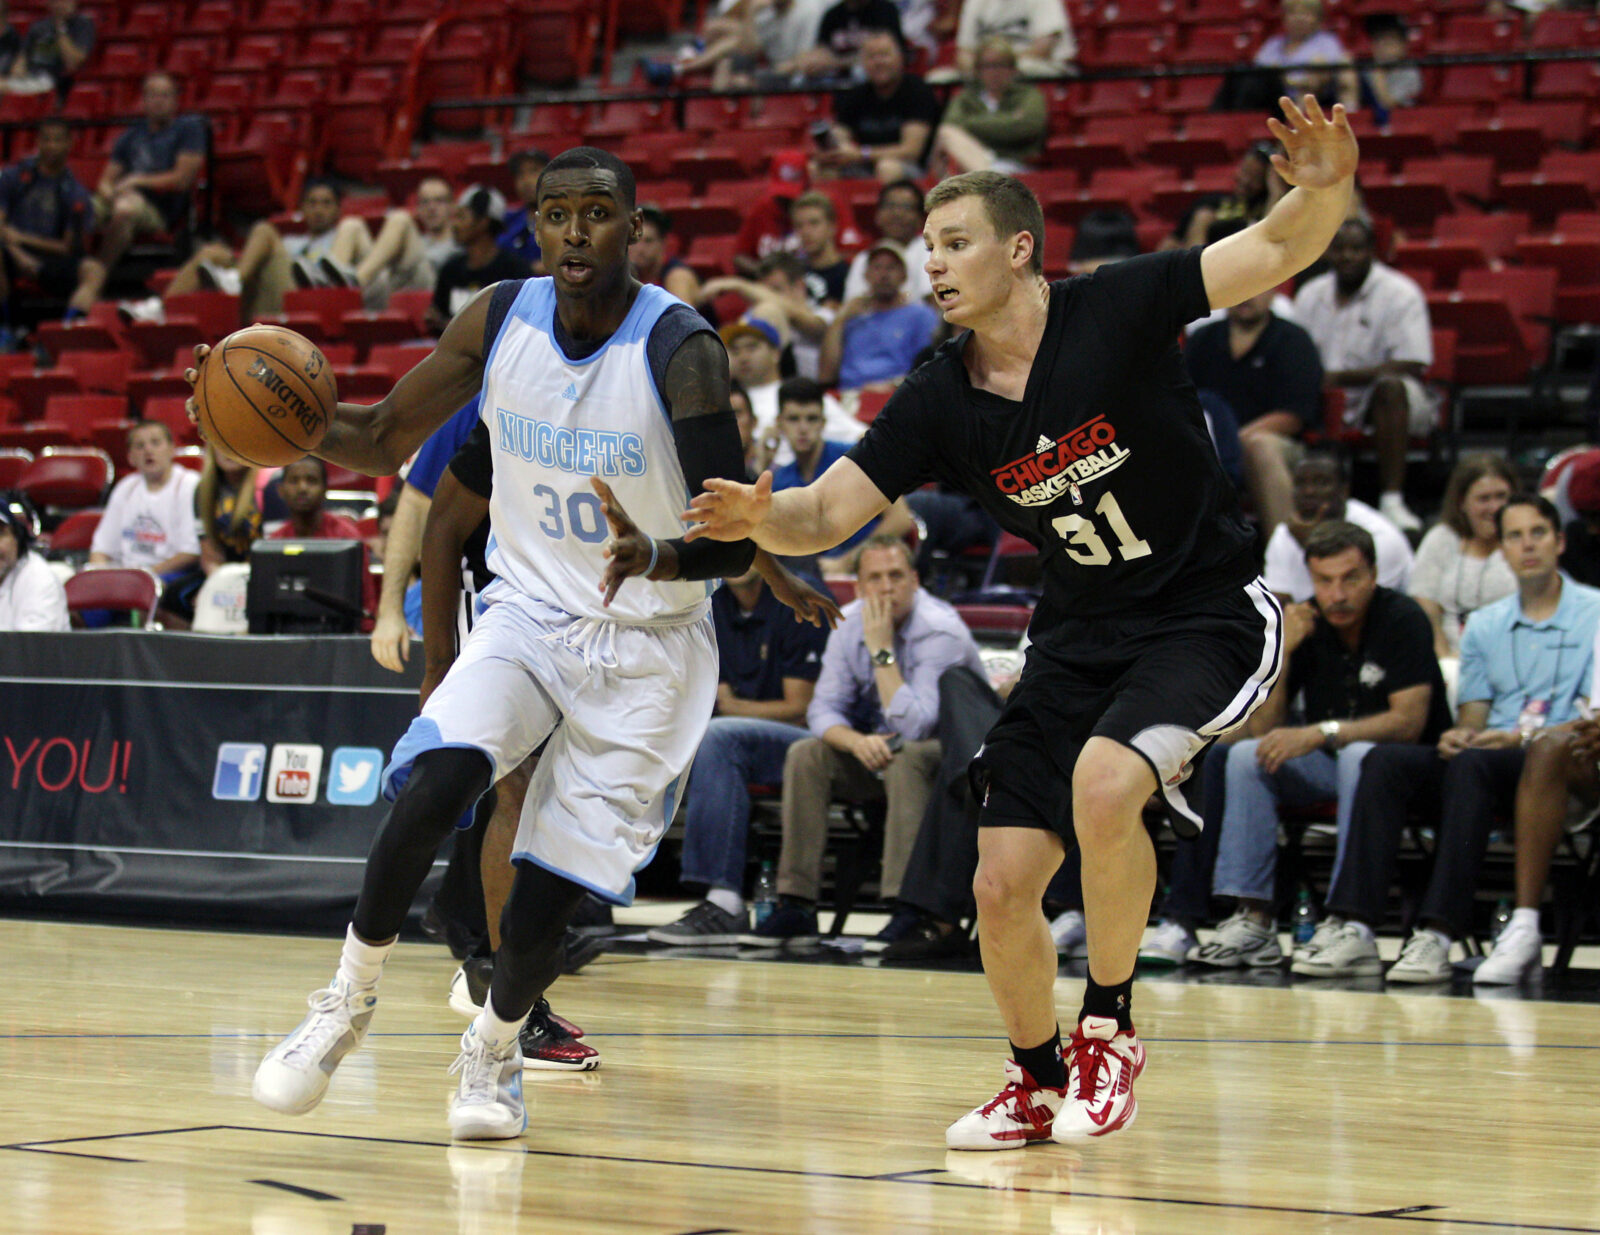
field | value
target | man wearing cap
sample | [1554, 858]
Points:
[766, 228]
[875, 339]
[31, 597]
[480, 213]
[754, 345]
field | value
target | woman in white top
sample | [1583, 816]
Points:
[1459, 566]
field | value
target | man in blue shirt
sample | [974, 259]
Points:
[802, 419]
[768, 668]
[872, 721]
[46, 214]
[1526, 665]
[516, 236]
[876, 338]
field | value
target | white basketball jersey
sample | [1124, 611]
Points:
[555, 422]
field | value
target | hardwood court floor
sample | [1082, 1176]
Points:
[741, 1096]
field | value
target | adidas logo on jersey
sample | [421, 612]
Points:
[1043, 445]
[571, 392]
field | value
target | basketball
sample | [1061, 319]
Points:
[265, 396]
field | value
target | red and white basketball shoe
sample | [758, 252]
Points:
[1017, 1116]
[1101, 1066]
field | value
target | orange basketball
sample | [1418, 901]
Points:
[265, 396]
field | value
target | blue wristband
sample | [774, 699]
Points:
[655, 556]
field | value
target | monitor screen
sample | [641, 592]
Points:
[305, 586]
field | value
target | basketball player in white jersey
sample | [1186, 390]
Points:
[597, 392]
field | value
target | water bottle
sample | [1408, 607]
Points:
[1305, 918]
[765, 898]
[1502, 918]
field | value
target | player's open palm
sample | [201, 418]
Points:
[629, 551]
[728, 510]
[1319, 148]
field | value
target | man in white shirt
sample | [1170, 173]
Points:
[150, 518]
[1370, 322]
[1322, 492]
[1038, 30]
[31, 597]
[900, 222]
[754, 346]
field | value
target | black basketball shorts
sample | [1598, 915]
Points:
[1166, 686]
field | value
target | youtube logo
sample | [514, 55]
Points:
[294, 773]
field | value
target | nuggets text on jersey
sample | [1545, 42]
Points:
[585, 452]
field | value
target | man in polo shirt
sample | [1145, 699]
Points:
[1269, 373]
[1370, 322]
[875, 339]
[1361, 661]
[769, 666]
[1526, 665]
[1320, 491]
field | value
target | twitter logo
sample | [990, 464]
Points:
[353, 776]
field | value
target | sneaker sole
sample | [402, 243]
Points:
[763, 941]
[479, 1129]
[993, 1145]
[1156, 960]
[1417, 979]
[692, 941]
[273, 1104]
[552, 1065]
[462, 1005]
[1360, 969]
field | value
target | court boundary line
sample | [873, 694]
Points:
[899, 1177]
[250, 686]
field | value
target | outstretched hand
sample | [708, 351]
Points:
[630, 551]
[1319, 149]
[728, 510]
[808, 603]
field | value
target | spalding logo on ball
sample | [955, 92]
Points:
[265, 396]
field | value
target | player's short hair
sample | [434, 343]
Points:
[1335, 536]
[815, 200]
[1010, 205]
[799, 390]
[166, 430]
[1543, 505]
[783, 260]
[656, 217]
[887, 540]
[323, 182]
[592, 158]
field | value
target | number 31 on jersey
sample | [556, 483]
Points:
[1084, 542]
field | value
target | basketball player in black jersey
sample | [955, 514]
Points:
[1064, 409]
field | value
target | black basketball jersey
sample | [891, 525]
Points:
[1105, 465]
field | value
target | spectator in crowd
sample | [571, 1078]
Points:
[1038, 31]
[1301, 47]
[815, 221]
[149, 518]
[759, 44]
[1361, 665]
[435, 221]
[1256, 189]
[303, 486]
[754, 347]
[780, 296]
[899, 220]
[1581, 498]
[769, 666]
[153, 167]
[517, 237]
[270, 263]
[766, 227]
[1268, 372]
[1370, 323]
[479, 215]
[1387, 85]
[45, 218]
[1526, 666]
[1321, 492]
[406, 254]
[842, 36]
[54, 49]
[802, 422]
[648, 255]
[1459, 566]
[883, 126]
[31, 597]
[875, 339]
[872, 719]
[997, 122]
[745, 417]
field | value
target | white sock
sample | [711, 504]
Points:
[495, 1033]
[1362, 929]
[725, 900]
[1392, 497]
[361, 964]
[1525, 917]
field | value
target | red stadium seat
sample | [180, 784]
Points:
[1446, 259]
[30, 391]
[171, 411]
[328, 305]
[396, 360]
[367, 331]
[1576, 261]
[98, 372]
[13, 463]
[996, 622]
[75, 533]
[78, 412]
[68, 477]
[1495, 234]
[83, 335]
[133, 590]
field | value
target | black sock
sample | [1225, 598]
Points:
[1112, 1001]
[1043, 1062]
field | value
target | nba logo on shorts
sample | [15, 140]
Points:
[238, 774]
[353, 776]
[294, 773]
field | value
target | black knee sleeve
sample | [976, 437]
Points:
[531, 933]
[443, 785]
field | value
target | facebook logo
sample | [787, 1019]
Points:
[353, 776]
[239, 769]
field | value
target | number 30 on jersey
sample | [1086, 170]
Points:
[584, 516]
[1084, 542]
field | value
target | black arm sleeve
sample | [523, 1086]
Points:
[473, 464]
[708, 445]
